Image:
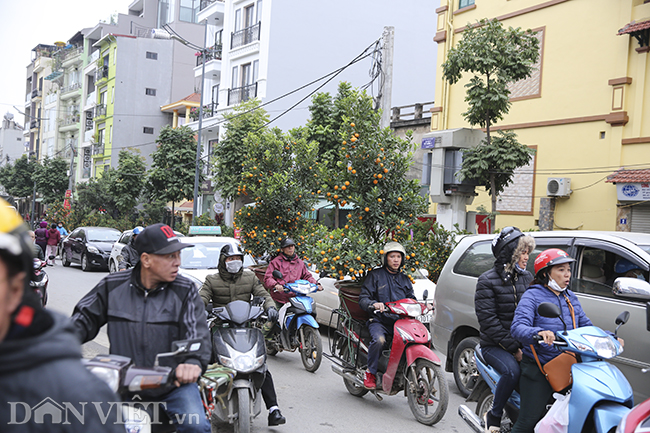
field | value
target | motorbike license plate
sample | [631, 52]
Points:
[425, 318]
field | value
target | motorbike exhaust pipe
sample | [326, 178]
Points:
[347, 375]
[470, 418]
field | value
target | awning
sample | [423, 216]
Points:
[629, 176]
[634, 27]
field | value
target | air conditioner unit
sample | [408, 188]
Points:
[558, 186]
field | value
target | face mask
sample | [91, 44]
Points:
[555, 286]
[234, 266]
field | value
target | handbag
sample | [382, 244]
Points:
[558, 370]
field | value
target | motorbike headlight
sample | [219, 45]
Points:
[243, 362]
[605, 347]
[413, 310]
[108, 375]
[92, 249]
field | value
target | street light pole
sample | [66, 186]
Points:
[198, 144]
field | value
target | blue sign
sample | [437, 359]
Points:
[623, 221]
[630, 190]
[430, 142]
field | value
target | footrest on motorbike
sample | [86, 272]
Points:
[376, 394]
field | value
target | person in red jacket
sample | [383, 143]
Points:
[53, 239]
[292, 268]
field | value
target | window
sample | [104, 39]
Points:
[215, 97]
[476, 260]
[150, 92]
[238, 20]
[189, 10]
[249, 16]
[147, 130]
[152, 56]
[163, 13]
[112, 94]
[235, 77]
[110, 133]
[256, 69]
[259, 11]
[465, 3]
[246, 74]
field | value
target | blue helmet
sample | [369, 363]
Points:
[138, 230]
[623, 265]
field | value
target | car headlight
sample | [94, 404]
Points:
[242, 362]
[605, 347]
[110, 376]
[92, 249]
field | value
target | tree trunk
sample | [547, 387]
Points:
[173, 216]
[493, 197]
[336, 216]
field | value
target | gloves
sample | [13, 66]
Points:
[273, 314]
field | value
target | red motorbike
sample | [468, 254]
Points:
[410, 365]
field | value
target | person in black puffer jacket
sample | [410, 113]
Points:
[498, 291]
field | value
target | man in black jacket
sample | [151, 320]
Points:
[40, 357]
[147, 308]
[129, 257]
[498, 291]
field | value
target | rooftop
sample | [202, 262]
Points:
[629, 176]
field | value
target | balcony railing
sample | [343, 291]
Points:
[213, 53]
[209, 110]
[98, 148]
[101, 73]
[100, 110]
[72, 87]
[206, 3]
[36, 93]
[70, 120]
[245, 36]
[71, 53]
[33, 124]
[241, 94]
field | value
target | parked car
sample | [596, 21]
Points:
[89, 246]
[455, 326]
[328, 299]
[202, 259]
[124, 239]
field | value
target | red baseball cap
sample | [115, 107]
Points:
[158, 239]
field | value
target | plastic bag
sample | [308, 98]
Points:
[556, 419]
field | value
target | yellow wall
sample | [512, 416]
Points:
[581, 53]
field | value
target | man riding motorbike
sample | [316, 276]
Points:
[232, 283]
[129, 257]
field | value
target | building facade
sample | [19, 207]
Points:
[11, 140]
[585, 110]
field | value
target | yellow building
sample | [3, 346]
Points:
[586, 109]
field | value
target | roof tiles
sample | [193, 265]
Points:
[629, 176]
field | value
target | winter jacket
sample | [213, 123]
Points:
[141, 323]
[292, 269]
[41, 237]
[495, 301]
[45, 370]
[128, 257]
[383, 286]
[224, 287]
[53, 237]
[528, 322]
[62, 230]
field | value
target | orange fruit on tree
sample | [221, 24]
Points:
[356, 134]
[367, 209]
[352, 125]
[353, 139]
[375, 181]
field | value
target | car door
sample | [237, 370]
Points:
[70, 244]
[79, 246]
[593, 277]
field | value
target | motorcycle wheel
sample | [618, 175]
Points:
[357, 391]
[312, 349]
[243, 423]
[464, 365]
[484, 404]
[427, 384]
[65, 260]
[84, 263]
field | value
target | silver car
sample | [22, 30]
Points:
[455, 326]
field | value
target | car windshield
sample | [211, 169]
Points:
[645, 248]
[103, 235]
[206, 256]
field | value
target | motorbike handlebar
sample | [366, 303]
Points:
[540, 340]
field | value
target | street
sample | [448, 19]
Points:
[317, 402]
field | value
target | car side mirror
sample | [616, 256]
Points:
[633, 288]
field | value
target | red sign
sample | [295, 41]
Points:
[66, 204]
[237, 233]
[68, 193]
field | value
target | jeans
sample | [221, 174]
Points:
[534, 399]
[185, 409]
[378, 333]
[508, 367]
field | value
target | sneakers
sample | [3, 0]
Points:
[276, 418]
[492, 423]
[370, 381]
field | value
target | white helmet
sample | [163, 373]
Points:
[393, 247]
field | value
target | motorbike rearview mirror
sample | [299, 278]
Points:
[209, 307]
[277, 275]
[552, 311]
[621, 320]
[180, 347]
[257, 301]
[425, 294]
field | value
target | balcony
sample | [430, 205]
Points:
[98, 149]
[69, 122]
[71, 88]
[90, 99]
[70, 56]
[245, 36]
[99, 110]
[36, 93]
[101, 73]
[209, 110]
[241, 94]
[206, 3]
[33, 124]
[213, 53]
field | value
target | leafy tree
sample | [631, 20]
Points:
[171, 177]
[279, 174]
[95, 196]
[17, 178]
[128, 181]
[495, 57]
[52, 179]
[230, 154]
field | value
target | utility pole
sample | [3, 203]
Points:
[386, 89]
[198, 144]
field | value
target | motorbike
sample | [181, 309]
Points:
[600, 394]
[297, 327]
[125, 378]
[410, 365]
[40, 281]
[238, 345]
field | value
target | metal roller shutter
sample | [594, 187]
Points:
[640, 218]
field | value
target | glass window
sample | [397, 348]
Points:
[189, 10]
[256, 68]
[163, 12]
[259, 11]
[147, 130]
[465, 3]
[246, 74]
[150, 92]
[249, 16]
[235, 77]
[238, 19]
[476, 260]
[108, 235]
[152, 56]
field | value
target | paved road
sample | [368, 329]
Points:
[312, 402]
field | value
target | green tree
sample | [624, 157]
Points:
[171, 177]
[17, 178]
[230, 154]
[95, 195]
[128, 181]
[495, 57]
[52, 179]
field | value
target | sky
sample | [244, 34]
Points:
[25, 24]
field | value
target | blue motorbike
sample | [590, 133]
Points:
[296, 327]
[600, 394]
